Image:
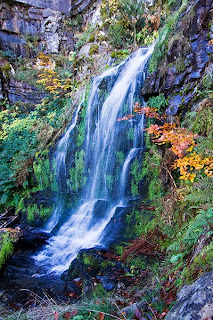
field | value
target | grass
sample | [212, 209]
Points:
[47, 309]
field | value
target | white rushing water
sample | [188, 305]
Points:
[85, 225]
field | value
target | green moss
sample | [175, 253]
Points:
[94, 49]
[119, 157]
[81, 128]
[130, 134]
[109, 181]
[92, 37]
[120, 54]
[6, 248]
[77, 178]
[136, 177]
[6, 69]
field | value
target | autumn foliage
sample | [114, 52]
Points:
[48, 77]
[181, 143]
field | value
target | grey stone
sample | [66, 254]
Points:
[84, 50]
[61, 6]
[195, 302]
[22, 91]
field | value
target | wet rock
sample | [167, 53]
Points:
[113, 232]
[195, 302]
[195, 75]
[108, 283]
[88, 262]
[174, 104]
[72, 290]
[94, 265]
[32, 237]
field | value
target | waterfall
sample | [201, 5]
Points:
[109, 148]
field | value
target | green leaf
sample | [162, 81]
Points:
[176, 257]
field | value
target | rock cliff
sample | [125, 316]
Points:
[183, 58]
[27, 27]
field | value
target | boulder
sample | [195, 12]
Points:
[195, 302]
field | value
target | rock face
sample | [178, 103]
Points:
[186, 60]
[58, 5]
[30, 26]
[195, 302]
[26, 28]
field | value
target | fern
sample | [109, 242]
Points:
[200, 224]
[201, 192]
[190, 233]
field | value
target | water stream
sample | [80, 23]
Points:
[108, 153]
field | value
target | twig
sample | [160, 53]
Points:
[151, 309]
[172, 178]
[107, 314]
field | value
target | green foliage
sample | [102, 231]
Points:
[23, 132]
[201, 121]
[132, 11]
[81, 128]
[159, 102]
[161, 46]
[44, 174]
[109, 181]
[120, 54]
[190, 233]
[77, 178]
[151, 171]
[116, 34]
[6, 248]
[201, 192]
[34, 211]
[207, 81]
[84, 37]
[119, 157]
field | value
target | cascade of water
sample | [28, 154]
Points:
[104, 137]
[60, 161]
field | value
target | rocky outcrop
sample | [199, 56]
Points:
[186, 59]
[25, 29]
[58, 5]
[195, 302]
[24, 92]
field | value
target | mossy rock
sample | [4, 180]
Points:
[94, 49]
[91, 263]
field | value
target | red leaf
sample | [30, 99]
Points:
[74, 312]
[101, 316]
[56, 315]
